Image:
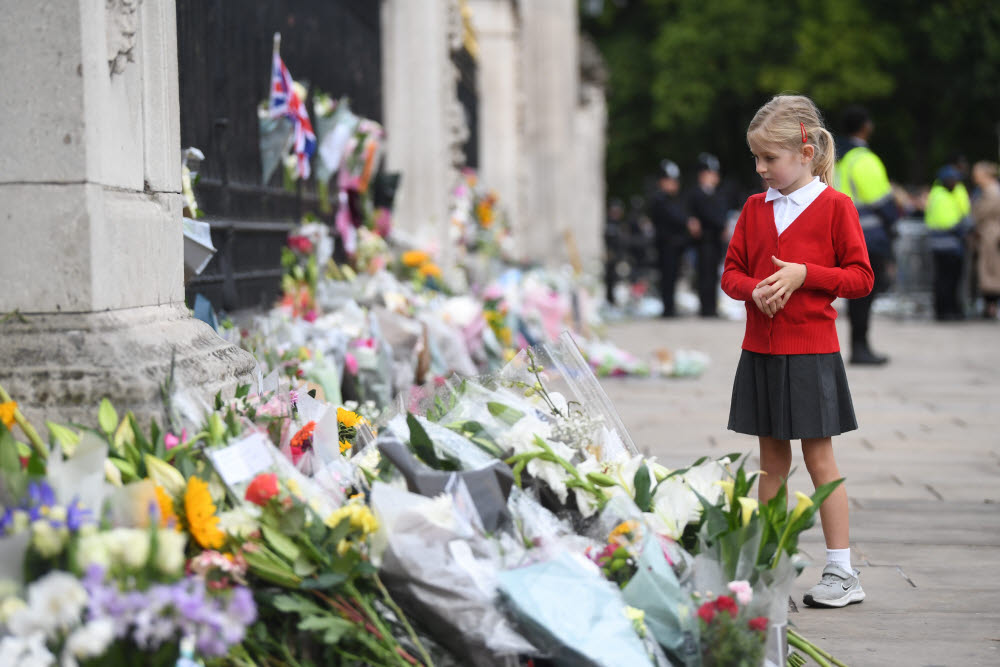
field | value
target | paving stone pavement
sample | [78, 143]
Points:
[923, 477]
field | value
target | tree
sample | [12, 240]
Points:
[687, 75]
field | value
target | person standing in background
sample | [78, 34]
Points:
[861, 175]
[947, 219]
[666, 211]
[707, 206]
[986, 214]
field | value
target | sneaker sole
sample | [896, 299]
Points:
[852, 597]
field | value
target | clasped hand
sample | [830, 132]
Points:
[772, 293]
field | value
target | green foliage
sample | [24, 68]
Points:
[686, 76]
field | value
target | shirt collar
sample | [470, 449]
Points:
[801, 195]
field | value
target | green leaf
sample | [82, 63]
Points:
[36, 465]
[10, 462]
[128, 471]
[243, 391]
[421, 443]
[66, 438]
[487, 445]
[107, 418]
[504, 413]
[297, 604]
[269, 568]
[324, 581]
[293, 520]
[282, 544]
[643, 497]
[332, 627]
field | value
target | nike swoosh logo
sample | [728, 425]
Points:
[846, 588]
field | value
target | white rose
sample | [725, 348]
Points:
[46, 539]
[170, 554]
[56, 601]
[9, 606]
[90, 640]
[135, 544]
[93, 550]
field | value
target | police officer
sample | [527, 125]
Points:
[947, 222]
[707, 206]
[861, 174]
[666, 211]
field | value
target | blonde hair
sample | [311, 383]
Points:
[777, 123]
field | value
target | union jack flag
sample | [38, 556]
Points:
[284, 101]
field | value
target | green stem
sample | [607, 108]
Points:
[26, 427]
[376, 620]
[800, 643]
[402, 618]
[184, 445]
[555, 458]
[823, 653]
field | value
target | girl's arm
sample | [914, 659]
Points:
[853, 277]
[736, 279]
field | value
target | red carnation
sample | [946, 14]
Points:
[759, 623]
[706, 612]
[726, 603]
[263, 487]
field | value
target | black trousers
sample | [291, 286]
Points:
[709, 255]
[947, 278]
[860, 310]
[669, 262]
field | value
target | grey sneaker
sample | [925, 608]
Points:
[836, 588]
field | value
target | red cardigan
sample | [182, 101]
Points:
[827, 238]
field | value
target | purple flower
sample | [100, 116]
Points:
[77, 515]
[6, 520]
[242, 606]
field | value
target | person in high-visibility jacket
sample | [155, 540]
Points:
[860, 174]
[947, 220]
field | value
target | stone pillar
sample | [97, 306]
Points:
[496, 24]
[421, 112]
[92, 252]
[590, 128]
[550, 72]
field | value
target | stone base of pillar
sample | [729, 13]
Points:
[58, 366]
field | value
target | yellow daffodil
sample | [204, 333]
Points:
[7, 413]
[747, 507]
[344, 446]
[805, 502]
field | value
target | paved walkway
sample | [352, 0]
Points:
[923, 475]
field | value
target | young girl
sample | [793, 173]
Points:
[795, 248]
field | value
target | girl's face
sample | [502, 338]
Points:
[784, 170]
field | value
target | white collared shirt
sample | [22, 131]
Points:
[788, 207]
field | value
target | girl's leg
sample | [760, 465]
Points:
[818, 455]
[776, 461]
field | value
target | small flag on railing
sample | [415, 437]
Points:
[284, 101]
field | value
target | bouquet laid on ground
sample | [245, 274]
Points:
[274, 527]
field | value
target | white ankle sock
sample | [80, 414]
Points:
[841, 557]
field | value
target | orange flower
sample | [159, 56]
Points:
[414, 258]
[167, 516]
[199, 509]
[7, 413]
[430, 269]
[485, 214]
[302, 441]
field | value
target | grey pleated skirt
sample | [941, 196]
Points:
[791, 396]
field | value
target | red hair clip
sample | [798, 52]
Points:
[802, 126]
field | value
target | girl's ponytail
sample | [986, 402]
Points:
[825, 155]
